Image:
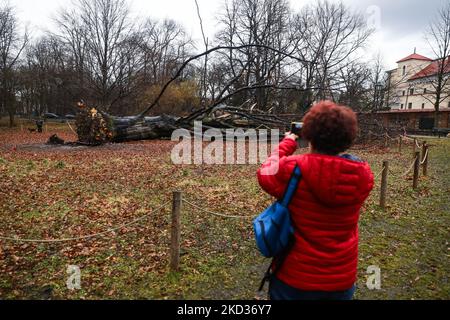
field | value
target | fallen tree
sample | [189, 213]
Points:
[95, 127]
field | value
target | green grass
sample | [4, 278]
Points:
[409, 241]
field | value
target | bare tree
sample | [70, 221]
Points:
[163, 46]
[263, 61]
[117, 61]
[356, 78]
[96, 31]
[12, 44]
[328, 35]
[204, 83]
[256, 22]
[377, 81]
[47, 77]
[71, 33]
[438, 38]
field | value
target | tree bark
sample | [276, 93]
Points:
[11, 120]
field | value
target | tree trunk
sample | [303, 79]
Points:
[436, 117]
[132, 129]
[436, 109]
[95, 128]
[11, 119]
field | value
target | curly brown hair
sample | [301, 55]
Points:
[330, 128]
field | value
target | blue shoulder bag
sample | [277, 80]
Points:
[274, 231]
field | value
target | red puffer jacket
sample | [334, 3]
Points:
[325, 211]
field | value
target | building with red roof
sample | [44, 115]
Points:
[414, 56]
[431, 70]
[412, 85]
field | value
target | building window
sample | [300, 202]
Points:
[425, 90]
[410, 105]
[404, 92]
[411, 92]
[423, 105]
[401, 106]
[404, 70]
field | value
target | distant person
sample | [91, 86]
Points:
[322, 265]
[39, 125]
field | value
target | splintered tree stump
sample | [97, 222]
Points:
[96, 128]
[92, 127]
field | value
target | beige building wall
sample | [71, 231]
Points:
[417, 98]
[406, 94]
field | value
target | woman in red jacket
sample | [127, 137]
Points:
[325, 209]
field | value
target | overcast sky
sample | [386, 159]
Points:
[402, 23]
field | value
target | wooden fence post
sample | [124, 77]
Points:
[175, 232]
[416, 170]
[384, 176]
[400, 142]
[425, 160]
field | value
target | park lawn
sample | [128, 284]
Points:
[48, 193]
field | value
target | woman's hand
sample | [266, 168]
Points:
[291, 136]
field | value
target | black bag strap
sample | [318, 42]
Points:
[278, 263]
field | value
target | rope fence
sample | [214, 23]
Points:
[400, 140]
[425, 158]
[380, 173]
[215, 213]
[409, 169]
[406, 137]
[418, 162]
[389, 137]
[417, 144]
[87, 237]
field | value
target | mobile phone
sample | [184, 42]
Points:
[296, 128]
